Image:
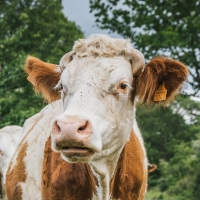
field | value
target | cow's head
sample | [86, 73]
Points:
[98, 83]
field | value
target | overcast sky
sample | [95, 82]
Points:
[79, 12]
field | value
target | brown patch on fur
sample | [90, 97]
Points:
[62, 180]
[44, 76]
[130, 178]
[157, 71]
[16, 176]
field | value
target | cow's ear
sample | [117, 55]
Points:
[161, 76]
[44, 77]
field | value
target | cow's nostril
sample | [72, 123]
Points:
[82, 128]
[56, 128]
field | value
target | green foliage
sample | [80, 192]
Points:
[180, 175]
[156, 27]
[38, 28]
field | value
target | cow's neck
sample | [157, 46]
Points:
[130, 177]
[104, 170]
[118, 177]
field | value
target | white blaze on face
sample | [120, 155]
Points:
[91, 91]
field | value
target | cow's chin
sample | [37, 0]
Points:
[74, 155]
[74, 151]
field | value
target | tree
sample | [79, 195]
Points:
[38, 28]
[156, 27]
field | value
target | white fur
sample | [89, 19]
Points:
[10, 137]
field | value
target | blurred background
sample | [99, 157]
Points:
[48, 28]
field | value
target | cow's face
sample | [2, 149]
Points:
[98, 87]
[97, 96]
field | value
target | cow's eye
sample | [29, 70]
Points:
[61, 86]
[122, 87]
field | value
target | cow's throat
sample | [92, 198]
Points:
[104, 169]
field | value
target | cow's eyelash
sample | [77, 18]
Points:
[131, 88]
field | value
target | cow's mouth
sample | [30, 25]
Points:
[76, 151]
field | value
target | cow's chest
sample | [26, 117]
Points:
[62, 180]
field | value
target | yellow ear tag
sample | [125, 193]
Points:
[161, 93]
[31, 79]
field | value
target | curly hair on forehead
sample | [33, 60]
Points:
[102, 45]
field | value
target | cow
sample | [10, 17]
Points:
[10, 137]
[86, 143]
